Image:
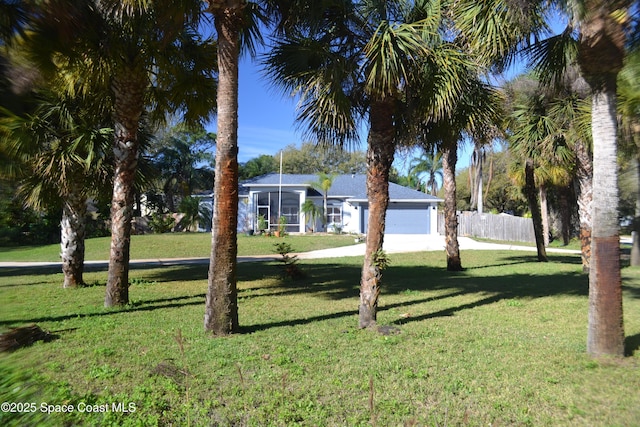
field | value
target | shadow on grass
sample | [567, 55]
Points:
[631, 344]
[524, 259]
[142, 306]
[336, 281]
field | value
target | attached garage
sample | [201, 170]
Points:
[404, 218]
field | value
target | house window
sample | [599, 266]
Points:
[334, 214]
[291, 214]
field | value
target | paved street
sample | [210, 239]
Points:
[393, 243]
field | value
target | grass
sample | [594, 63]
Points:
[502, 343]
[177, 245]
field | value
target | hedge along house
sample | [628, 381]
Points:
[274, 196]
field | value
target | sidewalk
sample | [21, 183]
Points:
[393, 243]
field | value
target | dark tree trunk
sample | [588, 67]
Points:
[449, 160]
[534, 207]
[221, 310]
[380, 154]
[129, 90]
[565, 215]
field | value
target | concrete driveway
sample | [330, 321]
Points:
[398, 243]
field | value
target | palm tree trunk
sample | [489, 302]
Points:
[584, 178]
[72, 235]
[486, 190]
[128, 89]
[532, 199]
[544, 211]
[325, 210]
[473, 200]
[605, 331]
[221, 309]
[380, 154]
[565, 214]
[449, 160]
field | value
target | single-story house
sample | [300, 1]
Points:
[274, 196]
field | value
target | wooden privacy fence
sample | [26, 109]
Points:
[492, 226]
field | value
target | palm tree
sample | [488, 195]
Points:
[141, 55]
[571, 113]
[429, 164]
[237, 24]
[542, 152]
[476, 171]
[602, 36]
[601, 53]
[221, 308]
[598, 32]
[475, 115]
[312, 212]
[366, 60]
[194, 214]
[323, 184]
[61, 149]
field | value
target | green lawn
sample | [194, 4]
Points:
[178, 245]
[502, 343]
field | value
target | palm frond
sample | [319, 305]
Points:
[553, 56]
[494, 31]
[390, 55]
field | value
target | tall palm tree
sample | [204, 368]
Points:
[237, 24]
[429, 164]
[221, 308]
[603, 33]
[144, 54]
[476, 173]
[474, 115]
[366, 60]
[601, 53]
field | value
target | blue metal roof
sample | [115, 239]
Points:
[343, 186]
